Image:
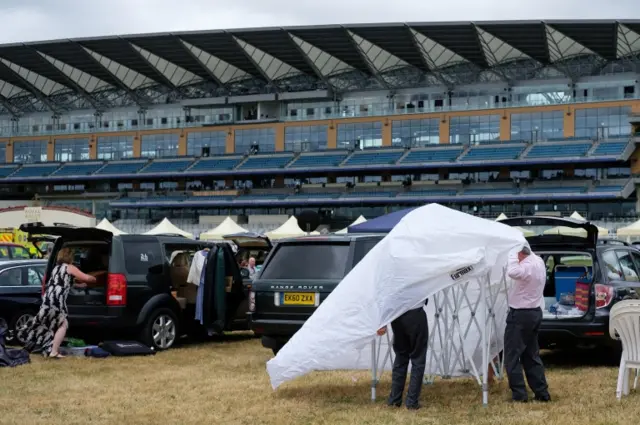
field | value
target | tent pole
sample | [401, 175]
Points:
[374, 370]
[485, 347]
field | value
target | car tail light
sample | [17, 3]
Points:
[116, 290]
[252, 301]
[604, 296]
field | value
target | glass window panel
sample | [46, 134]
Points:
[3, 152]
[602, 122]
[415, 133]
[537, 126]
[471, 129]
[360, 135]
[68, 150]
[305, 138]
[263, 138]
[30, 151]
[115, 147]
[159, 145]
[216, 141]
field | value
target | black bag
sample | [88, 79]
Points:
[126, 348]
[10, 357]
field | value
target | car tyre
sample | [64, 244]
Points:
[160, 330]
[19, 320]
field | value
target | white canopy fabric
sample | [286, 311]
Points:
[358, 220]
[603, 232]
[166, 227]
[289, 229]
[434, 252]
[227, 227]
[576, 216]
[630, 231]
[109, 227]
[502, 216]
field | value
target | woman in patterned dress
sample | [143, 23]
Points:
[49, 327]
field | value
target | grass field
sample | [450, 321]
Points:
[225, 382]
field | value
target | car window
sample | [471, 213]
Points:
[19, 252]
[35, 275]
[612, 265]
[362, 249]
[4, 252]
[140, 257]
[11, 277]
[310, 261]
[629, 270]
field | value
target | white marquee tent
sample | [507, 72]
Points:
[289, 229]
[109, 227]
[166, 227]
[456, 260]
[632, 230]
[603, 232]
[358, 220]
[502, 216]
[227, 227]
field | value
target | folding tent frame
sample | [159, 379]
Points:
[450, 335]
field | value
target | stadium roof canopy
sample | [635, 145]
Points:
[146, 69]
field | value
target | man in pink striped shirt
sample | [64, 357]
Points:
[521, 349]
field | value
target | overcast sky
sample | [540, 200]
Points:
[32, 20]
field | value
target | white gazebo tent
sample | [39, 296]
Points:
[358, 220]
[166, 227]
[420, 258]
[502, 216]
[289, 229]
[106, 225]
[630, 231]
[227, 227]
[603, 232]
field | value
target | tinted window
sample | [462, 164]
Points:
[312, 261]
[35, 275]
[19, 252]
[140, 257]
[628, 267]
[363, 248]
[4, 252]
[11, 277]
[611, 265]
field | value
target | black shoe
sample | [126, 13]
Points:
[543, 399]
[394, 404]
[413, 406]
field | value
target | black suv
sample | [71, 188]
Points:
[297, 276]
[144, 292]
[585, 278]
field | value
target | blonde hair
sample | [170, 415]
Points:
[65, 256]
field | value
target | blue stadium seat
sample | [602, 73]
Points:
[608, 188]
[429, 193]
[260, 162]
[36, 171]
[259, 196]
[320, 195]
[610, 149]
[210, 198]
[5, 171]
[121, 168]
[374, 158]
[490, 191]
[369, 195]
[557, 189]
[77, 169]
[317, 161]
[493, 153]
[555, 150]
[215, 164]
[431, 155]
[173, 166]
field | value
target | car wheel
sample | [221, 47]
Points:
[19, 320]
[160, 331]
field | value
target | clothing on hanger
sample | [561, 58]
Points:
[197, 266]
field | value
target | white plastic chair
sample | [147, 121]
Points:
[624, 324]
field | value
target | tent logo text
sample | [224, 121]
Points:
[461, 272]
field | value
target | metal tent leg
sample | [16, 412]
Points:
[374, 371]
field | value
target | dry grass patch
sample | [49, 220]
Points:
[226, 383]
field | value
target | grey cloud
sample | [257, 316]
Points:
[30, 20]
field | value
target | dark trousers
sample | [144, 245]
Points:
[521, 350]
[410, 340]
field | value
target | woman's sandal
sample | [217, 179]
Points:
[56, 356]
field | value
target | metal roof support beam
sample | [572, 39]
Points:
[560, 67]
[489, 52]
[374, 71]
[310, 62]
[136, 98]
[258, 67]
[32, 89]
[424, 55]
[15, 113]
[210, 73]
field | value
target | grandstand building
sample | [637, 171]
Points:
[487, 117]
